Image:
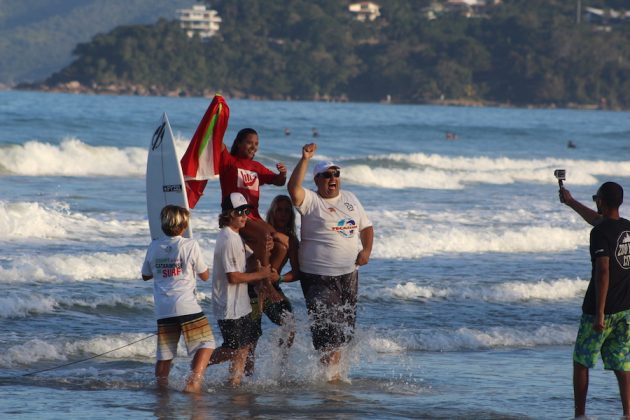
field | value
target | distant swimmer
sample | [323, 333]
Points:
[449, 135]
[287, 132]
[315, 132]
[571, 145]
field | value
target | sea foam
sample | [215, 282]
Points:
[430, 171]
[390, 171]
[424, 240]
[35, 158]
[466, 339]
[30, 220]
[36, 350]
[22, 305]
[512, 291]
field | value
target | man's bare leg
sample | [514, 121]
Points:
[162, 369]
[198, 368]
[250, 363]
[331, 360]
[623, 378]
[237, 367]
[580, 388]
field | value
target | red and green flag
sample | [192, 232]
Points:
[201, 160]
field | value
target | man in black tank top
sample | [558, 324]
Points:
[605, 324]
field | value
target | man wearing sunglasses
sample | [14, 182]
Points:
[336, 238]
[605, 324]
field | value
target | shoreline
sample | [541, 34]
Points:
[75, 87]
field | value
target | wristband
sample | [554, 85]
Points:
[280, 279]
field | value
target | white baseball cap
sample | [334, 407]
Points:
[235, 201]
[323, 166]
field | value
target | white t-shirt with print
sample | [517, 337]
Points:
[330, 233]
[174, 262]
[229, 301]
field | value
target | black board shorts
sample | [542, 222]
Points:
[275, 311]
[332, 307]
[238, 333]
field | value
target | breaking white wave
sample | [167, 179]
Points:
[427, 240]
[36, 350]
[410, 234]
[466, 339]
[12, 306]
[513, 291]
[391, 171]
[35, 158]
[21, 305]
[419, 170]
[29, 220]
[68, 267]
[57, 221]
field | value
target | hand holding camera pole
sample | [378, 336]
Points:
[560, 175]
[589, 215]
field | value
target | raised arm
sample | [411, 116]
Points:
[589, 215]
[296, 191]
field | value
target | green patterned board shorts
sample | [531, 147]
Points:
[613, 342]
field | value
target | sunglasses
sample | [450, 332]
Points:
[329, 175]
[242, 212]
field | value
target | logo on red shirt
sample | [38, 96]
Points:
[247, 179]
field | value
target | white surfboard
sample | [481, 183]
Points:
[165, 182]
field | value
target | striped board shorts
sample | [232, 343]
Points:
[195, 329]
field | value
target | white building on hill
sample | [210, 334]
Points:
[365, 10]
[199, 20]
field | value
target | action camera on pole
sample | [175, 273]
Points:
[560, 175]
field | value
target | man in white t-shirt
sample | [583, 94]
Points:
[230, 299]
[336, 238]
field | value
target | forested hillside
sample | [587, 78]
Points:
[524, 52]
[37, 36]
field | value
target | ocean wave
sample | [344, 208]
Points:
[427, 240]
[31, 220]
[514, 291]
[35, 158]
[12, 306]
[463, 339]
[18, 305]
[78, 267]
[57, 221]
[422, 234]
[390, 171]
[36, 350]
[88, 267]
[430, 171]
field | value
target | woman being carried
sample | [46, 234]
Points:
[239, 172]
